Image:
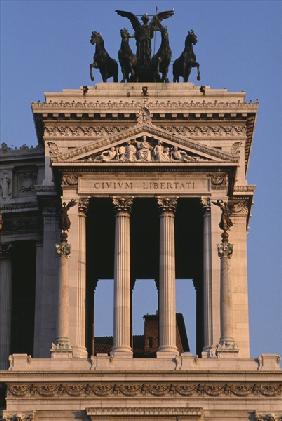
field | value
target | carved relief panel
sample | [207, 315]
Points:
[24, 181]
[5, 185]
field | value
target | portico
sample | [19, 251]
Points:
[130, 183]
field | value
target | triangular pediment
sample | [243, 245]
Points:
[143, 143]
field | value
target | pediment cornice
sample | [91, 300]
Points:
[156, 137]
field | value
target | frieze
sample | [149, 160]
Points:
[269, 416]
[206, 131]
[132, 389]
[22, 223]
[141, 411]
[82, 131]
[19, 416]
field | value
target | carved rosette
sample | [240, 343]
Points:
[122, 204]
[225, 249]
[83, 205]
[63, 249]
[167, 204]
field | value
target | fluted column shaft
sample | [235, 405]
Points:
[63, 314]
[81, 298]
[122, 287]
[207, 271]
[167, 293]
[226, 305]
[5, 305]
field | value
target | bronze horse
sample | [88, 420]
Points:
[183, 64]
[161, 60]
[127, 59]
[108, 66]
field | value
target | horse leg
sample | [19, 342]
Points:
[123, 74]
[91, 75]
[198, 70]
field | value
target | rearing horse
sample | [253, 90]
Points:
[161, 60]
[183, 64]
[127, 59]
[108, 66]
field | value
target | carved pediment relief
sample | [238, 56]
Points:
[142, 143]
[144, 149]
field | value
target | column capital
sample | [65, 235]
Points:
[167, 204]
[206, 204]
[5, 250]
[123, 204]
[83, 204]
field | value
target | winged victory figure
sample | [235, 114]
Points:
[143, 34]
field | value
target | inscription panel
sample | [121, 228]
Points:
[143, 185]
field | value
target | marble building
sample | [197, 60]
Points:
[130, 182]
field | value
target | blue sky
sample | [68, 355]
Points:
[45, 47]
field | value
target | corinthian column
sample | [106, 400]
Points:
[167, 295]
[207, 245]
[122, 287]
[5, 305]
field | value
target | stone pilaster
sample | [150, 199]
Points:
[122, 286]
[239, 274]
[167, 293]
[5, 304]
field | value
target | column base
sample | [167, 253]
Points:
[167, 352]
[79, 352]
[227, 348]
[61, 348]
[122, 353]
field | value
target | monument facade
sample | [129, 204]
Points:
[136, 180]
